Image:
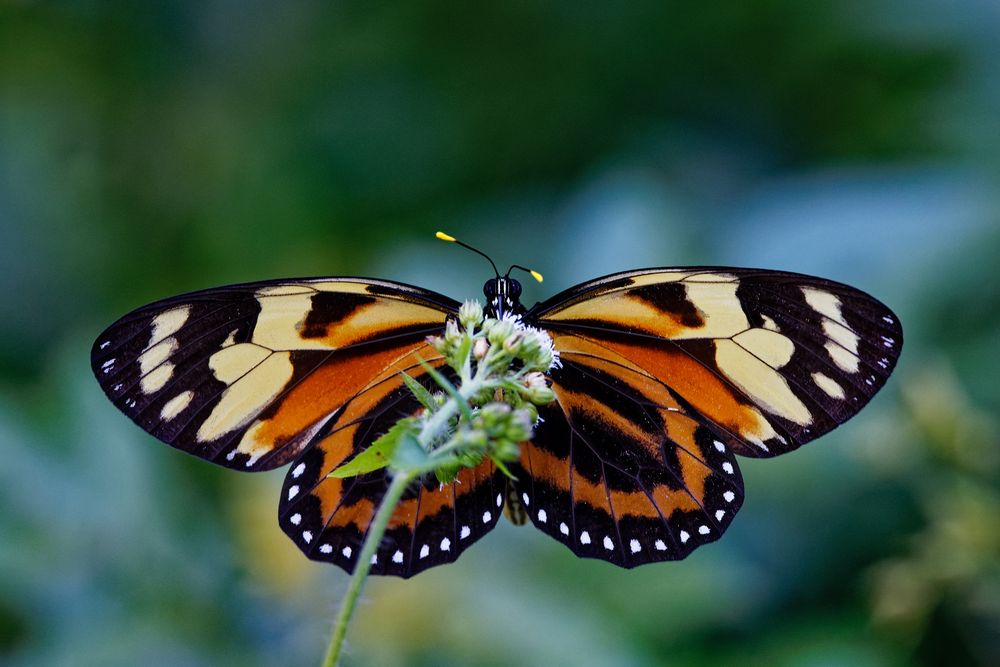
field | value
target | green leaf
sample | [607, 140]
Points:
[383, 451]
[448, 387]
[409, 454]
[420, 392]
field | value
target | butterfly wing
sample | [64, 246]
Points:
[328, 518]
[622, 468]
[703, 363]
[245, 376]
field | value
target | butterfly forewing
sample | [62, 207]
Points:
[777, 359]
[245, 376]
[328, 517]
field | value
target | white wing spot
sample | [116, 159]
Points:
[296, 519]
[299, 469]
[307, 536]
[326, 549]
[117, 387]
[231, 455]
[446, 544]
[347, 553]
[719, 446]
[542, 516]
[105, 344]
[608, 544]
[425, 551]
[108, 364]
[486, 517]
[465, 532]
[374, 559]
[584, 537]
[564, 529]
[499, 500]
[634, 546]
[704, 530]
[293, 491]
[524, 497]
[130, 402]
[886, 318]
[719, 514]
[660, 546]
[884, 363]
[728, 467]
[729, 496]
[684, 537]
[397, 557]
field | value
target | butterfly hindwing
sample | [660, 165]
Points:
[244, 376]
[328, 517]
[622, 470]
[775, 358]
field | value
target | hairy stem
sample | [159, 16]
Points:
[397, 487]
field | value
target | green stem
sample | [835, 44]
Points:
[397, 487]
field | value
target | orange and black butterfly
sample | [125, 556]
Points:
[667, 374]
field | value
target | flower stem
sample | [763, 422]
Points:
[393, 494]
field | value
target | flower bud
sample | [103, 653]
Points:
[507, 450]
[451, 332]
[534, 380]
[518, 426]
[541, 395]
[480, 348]
[500, 331]
[513, 342]
[470, 314]
[532, 344]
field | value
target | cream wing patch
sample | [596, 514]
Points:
[764, 385]
[828, 385]
[843, 344]
[718, 305]
[234, 361]
[769, 346]
[168, 323]
[176, 405]
[243, 399]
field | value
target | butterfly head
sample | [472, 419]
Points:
[503, 297]
[503, 293]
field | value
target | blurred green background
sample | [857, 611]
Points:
[149, 148]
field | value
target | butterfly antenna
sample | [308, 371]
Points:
[451, 239]
[534, 274]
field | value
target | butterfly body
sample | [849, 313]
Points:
[503, 297]
[666, 375]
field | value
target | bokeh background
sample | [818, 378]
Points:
[149, 148]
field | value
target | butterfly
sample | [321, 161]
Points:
[667, 374]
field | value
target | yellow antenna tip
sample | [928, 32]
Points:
[537, 276]
[446, 237]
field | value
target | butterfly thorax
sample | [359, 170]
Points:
[503, 297]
